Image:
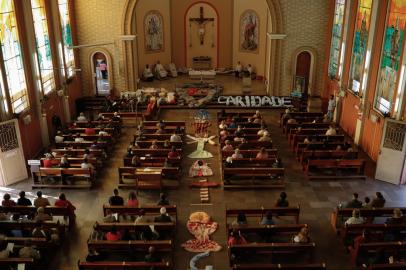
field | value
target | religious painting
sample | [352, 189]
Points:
[335, 47]
[391, 55]
[249, 31]
[299, 84]
[359, 48]
[154, 32]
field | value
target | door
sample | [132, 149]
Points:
[12, 161]
[391, 157]
[303, 63]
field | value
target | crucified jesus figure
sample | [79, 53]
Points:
[201, 23]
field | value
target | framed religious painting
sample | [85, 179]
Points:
[299, 84]
[391, 56]
[154, 32]
[249, 32]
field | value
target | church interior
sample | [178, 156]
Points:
[202, 134]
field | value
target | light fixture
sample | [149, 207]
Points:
[276, 36]
[119, 38]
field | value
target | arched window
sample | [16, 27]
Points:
[69, 58]
[43, 46]
[13, 79]
[336, 39]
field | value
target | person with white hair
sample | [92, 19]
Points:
[58, 137]
[82, 117]
[163, 217]
[175, 138]
[265, 137]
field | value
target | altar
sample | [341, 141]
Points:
[201, 62]
[202, 74]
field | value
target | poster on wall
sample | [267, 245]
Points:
[359, 48]
[336, 38]
[299, 84]
[249, 31]
[154, 32]
[391, 52]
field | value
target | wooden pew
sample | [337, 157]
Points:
[350, 231]
[339, 215]
[82, 145]
[148, 210]
[330, 145]
[142, 152]
[310, 116]
[55, 211]
[256, 177]
[78, 130]
[293, 135]
[253, 162]
[168, 228]
[373, 247]
[147, 144]
[70, 174]
[259, 266]
[305, 125]
[299, 138]
[148, 179]
[167, 123]
[400, 265]
[97, 153]
[246, 130]
[75, 162]
[326, 154]
[114, 265]
[29, 225]
[335, 164]
[292, 211]
[122, 115]
[158, 137]
[9, 262]
[249, 153]
[153, 161]
[250, 145]
[130, 245]
[95, 137]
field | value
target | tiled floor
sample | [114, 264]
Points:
[316, 199]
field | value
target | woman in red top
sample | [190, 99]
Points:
[90, 131]
[7, 201]
[236, 239]
[63, 202]
[173, 153]
[132, 200]
[113, 235]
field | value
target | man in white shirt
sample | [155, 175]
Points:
[102, 132]
[79, 139]
[355, 219]
[331, 107]
[147, 74]
[238, 69]
[175, 138]
[331, 131]
[58, 137]
[82, 117]
[86, 165]
[160, 70]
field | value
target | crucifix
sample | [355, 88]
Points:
[201, 24]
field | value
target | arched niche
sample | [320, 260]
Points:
[129, 58]
[102, 75]
[305, 56]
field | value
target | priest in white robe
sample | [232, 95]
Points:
[147, 74]
[160, 70]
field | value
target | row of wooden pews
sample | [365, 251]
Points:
[20, 230]
[372, 243]
[268, 246]
[248, 171]
[93, 148]
[321, 156]
[133, 249]
[147, 167]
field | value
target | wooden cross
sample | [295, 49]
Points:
[201, 22]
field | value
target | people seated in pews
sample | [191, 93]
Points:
[175, 138]
[397, 217]
[86, 165]
[331, 131]
[147, 74]
[306, 140]
[135, 161]
[160, 71]
[23, 201]
[64, 163]
[262, 130]
[237, 154]
[63, 202]
[224, 134]
[110, 217]
[151, 256]
[163, 200]
[148, 234]
[257, 115]
[167, 144]
[267, 219]
[4, 252]
[278, 163]
[29, 252]
[302, 236]
[49, 161]
[378, 201]
[262, 154]
[354, 203]
[7, 201]
[160, 131]
[78, 139]
[90, 131]
[223, 124]
[228, 146]
[238, 139]
[41, 215]
[113, 234]
[58, 137]
[132, 200]
[236, 238]
[100, 117]
[102, 132]
[265, 137]
[240, 220]
[243, 145]
[141, 218]
[282, 200]
[116, 199]
[163, 217]
[366, 203]
[239, 132]
[347, 147]
[355, 219]
[41, 201]
[199, 169]
[238, 70]
[82, 117]
[232, 124]
[154, 145]
[291, 121]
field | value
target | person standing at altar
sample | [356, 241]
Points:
[147, 74]
[238, 70]
[160, 70]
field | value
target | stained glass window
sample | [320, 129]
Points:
[43, 46]
[13, 64]
[66, 36]
[391, 55]
[336, 38]
[359, 49]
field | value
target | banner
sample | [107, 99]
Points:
[255, 101]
